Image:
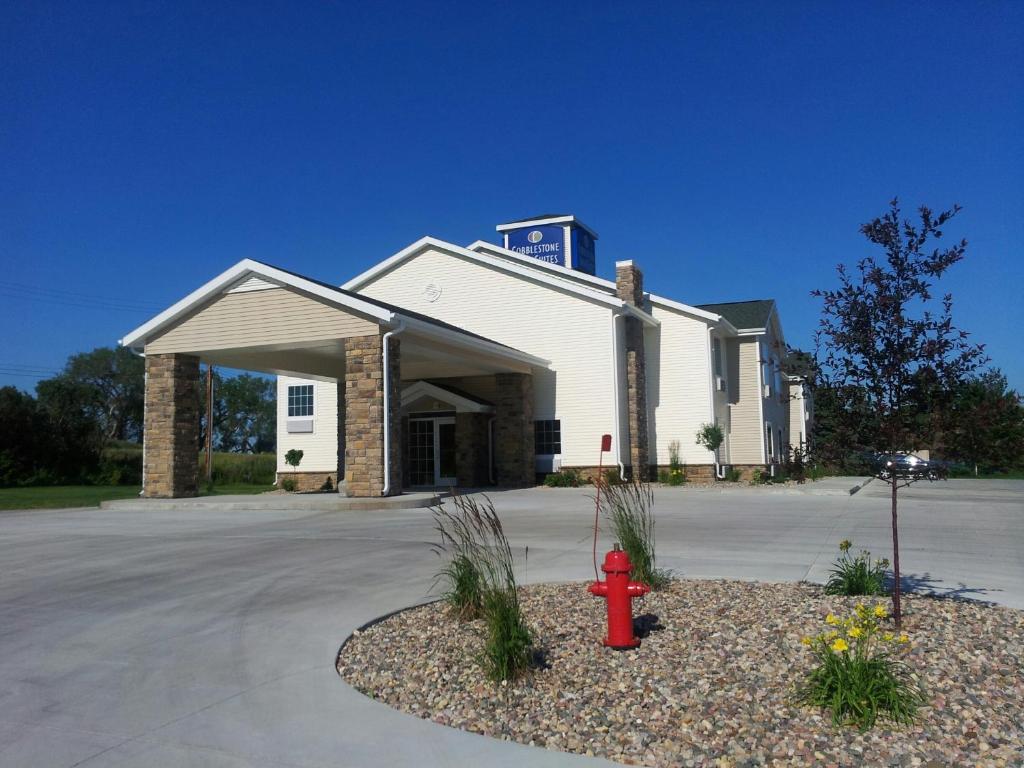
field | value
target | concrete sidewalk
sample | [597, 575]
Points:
[142, 636]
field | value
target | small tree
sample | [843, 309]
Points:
[879, 336]
[710, 436]
[292, 458]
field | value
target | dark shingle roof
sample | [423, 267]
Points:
[743, 314]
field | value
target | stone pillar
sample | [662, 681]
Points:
[513, 429]
[471, 457]
[629, 284]
[361, 410]
[171, 429]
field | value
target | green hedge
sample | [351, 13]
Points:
[123, 466]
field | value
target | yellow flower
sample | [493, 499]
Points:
[831, 619]
[840, 645]
[888, 637]
[845, 545]
[880, 611]
[856, 632]
[805, 641]
[904, 638]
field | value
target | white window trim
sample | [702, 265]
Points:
[287, 405]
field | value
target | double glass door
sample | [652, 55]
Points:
[432, 451]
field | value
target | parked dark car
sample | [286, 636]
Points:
[908, 465]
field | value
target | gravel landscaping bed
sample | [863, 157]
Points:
[709, 685]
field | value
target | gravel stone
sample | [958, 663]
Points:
[710, 683]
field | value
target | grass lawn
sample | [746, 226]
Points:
[58, 496]
[51, 497]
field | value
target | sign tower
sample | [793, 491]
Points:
[556, 238]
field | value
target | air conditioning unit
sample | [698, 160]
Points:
[720, 383]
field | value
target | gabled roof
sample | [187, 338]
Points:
[519, 268]
[596, 283]
[745, 315]
[463, 401]
[380, 311]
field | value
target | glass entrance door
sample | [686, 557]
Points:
[431, 451]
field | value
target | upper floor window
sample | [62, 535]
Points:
[716, 353]
[300, 400]
[547, 437]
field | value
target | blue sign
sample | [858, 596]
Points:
[545, 242]
[582, 251]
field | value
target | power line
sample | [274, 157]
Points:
[25, 291]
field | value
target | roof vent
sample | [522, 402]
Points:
[556, 238]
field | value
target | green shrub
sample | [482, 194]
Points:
[758, 476]
[328, 485]
[857, 677]
[288, 484]
[566, 478]
[816, 472]
[480, 581]
[244, 468]
[857, 575]
[671, 477]
[732, 475]
[629, 510]
[612, 477]
[119, 466]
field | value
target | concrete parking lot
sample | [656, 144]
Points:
[154, 637]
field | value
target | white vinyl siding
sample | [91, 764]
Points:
[319, 447]
[570, 331]
[679, 382]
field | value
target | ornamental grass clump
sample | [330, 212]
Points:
[859, 575]
[629, 510]
[858, 677]
[481, 583]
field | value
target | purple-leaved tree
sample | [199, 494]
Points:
[882, 333]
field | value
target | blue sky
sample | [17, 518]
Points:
[732, 150]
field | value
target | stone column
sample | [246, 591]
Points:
[471, 449]
[361, 410]
[630, 288]
[171, 429]
[513, 429]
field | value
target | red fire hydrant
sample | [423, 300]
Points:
[619, 591]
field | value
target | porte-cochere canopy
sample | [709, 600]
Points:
[261, 318]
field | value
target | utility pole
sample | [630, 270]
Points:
[209, 423]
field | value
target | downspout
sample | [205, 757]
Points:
[616, 425]
[386, 490]
[719, 474]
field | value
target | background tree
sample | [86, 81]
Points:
[108, 386]
[985, 425]
[879, 332]
[244, 414]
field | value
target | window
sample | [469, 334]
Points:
[547, 437]
[768, 441]
[766, 362]
[716, 352]
[300, 400]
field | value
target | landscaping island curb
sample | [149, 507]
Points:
[711, 683]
